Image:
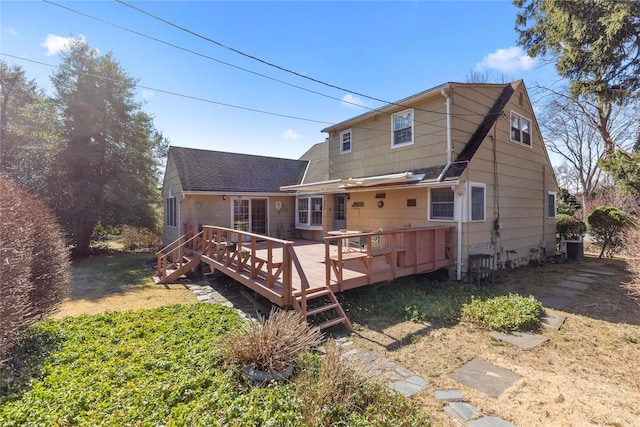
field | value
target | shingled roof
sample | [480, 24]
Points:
[205, 170]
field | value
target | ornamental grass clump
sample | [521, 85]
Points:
[271, 344]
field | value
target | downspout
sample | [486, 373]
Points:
[445, 93]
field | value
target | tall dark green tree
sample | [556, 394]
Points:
[595, 45]
[108, 168]
[29, 130]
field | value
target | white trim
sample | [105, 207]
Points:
[555, 204]
[473, 185]
[393, 130]
[342, 150]
[455, 207]
[519, 141]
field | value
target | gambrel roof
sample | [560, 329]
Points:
[205, 170]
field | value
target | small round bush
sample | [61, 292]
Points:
[607, 224]
[569, 228]
[504, 313]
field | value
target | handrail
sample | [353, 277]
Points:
[162, 257]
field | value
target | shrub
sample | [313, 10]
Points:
[606, 225]
[271, 344]
[134, 238]
[631, 237]
[34, 263]
[504, 313]
[569, 228]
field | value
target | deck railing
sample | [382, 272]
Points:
[173, 255]
[371, 257]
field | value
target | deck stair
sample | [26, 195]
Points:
[318, 301]
[176, 269]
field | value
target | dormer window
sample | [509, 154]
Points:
[402, 128]
[345, 141]
[520, 129]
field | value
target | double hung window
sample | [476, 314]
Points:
[402, 128]
[345, 141]
[442, 204]
[309, 212]
[520, 129]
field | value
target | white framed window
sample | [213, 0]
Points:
[442, 204]
[551, 204]
[402, 128]
[170, 213]
[520, 129]
[309, 212]
[477, 202]
[345, 141]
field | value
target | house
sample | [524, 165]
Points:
[468, 155]
[238, 191]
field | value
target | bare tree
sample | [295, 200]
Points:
[571, 129]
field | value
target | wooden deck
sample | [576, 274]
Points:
[291, 273]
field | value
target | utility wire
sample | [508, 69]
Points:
[168, 92]
[278, 67]
[202, 54]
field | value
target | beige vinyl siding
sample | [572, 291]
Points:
[171, 186]
[524, 177]
[372, 152]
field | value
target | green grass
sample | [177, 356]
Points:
[163, 366]
[413, 298]
[417, 298]
[117, 267]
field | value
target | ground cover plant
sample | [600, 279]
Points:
[504, 313]
[164, 366]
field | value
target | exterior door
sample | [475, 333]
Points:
[339, 211]
[250, 215]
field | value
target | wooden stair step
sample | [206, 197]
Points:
[332, 322]
[321, 309]
[314, 293]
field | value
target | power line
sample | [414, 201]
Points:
[168, 92]
[201, 54]
[251, 71]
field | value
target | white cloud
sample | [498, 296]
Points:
[12, 31]
[509, 60]
[147, 94]
[353, 101]
[290, 135]
[56, 44]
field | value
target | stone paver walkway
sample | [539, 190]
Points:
[476, 374]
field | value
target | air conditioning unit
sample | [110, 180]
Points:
[572, 250]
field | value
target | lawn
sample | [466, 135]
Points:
[586, 374]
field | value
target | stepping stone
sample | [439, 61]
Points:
[578, 286]
[448, 395]
[578, 278]
[490, 422]
[564, 292]
[485, 377]
[552, 320]
[406, 388]
[600, 272]
[587, 275]
[559, 303]
[525, 340]
[204, 297]
[461, 410]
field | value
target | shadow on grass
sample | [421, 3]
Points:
[112, 273]
[26, 363]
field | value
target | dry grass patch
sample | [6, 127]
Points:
[587, 374]
[118, 281]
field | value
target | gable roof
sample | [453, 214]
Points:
[318, 158]
[205, 170]
[469, 150]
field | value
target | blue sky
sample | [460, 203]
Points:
[385, 50]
